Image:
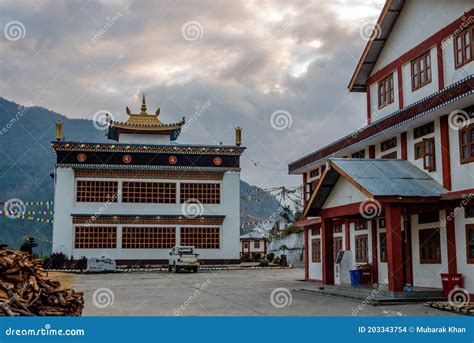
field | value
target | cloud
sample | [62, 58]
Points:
[251, 58]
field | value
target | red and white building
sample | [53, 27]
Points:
[398, 193]
[252, 245]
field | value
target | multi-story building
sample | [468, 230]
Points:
[398, 193]
[134, 199]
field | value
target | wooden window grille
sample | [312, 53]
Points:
[466, 144]
[423, 130]
[149, 192]
[337, 243]
[95, 237]
[430, 246]
[316, 231]
[388, 144]
[201, 237]
[418, 150]
[470, 243]
[337, 228]
[362, 248]
[96, 191]
[256, 245]
[421, 71]
[383, 246]
[206, 193]
[362, 225]
[463, 47]
[314, 173]
[429, 156]
[316, 250]
[359, 154]
[386, 96]
[148, 237]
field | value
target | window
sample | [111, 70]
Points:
[466, 143]
[149, 192]
[388, 144]
[359, 154]
[206, 193]
[428, 217]
[421, 71]
[463, 47]
[390, 156]
[201, 237]
[469, 211]
[360, 226]
[362, 248]
[337, 228]
[430, 246]
[316, 231]
[148, 237]
[429, 158]
[382, 223]
[386, 91]
[246, 245]
[97, 191]
[316, 250]
[314, 173]
[423, 130]
[418, 150]
[470, 243]
[337, 242]
[95, 237]
[383, 246]
[256, 245]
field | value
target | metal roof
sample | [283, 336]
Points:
[385, 23]
[387, 177]
[375, 178]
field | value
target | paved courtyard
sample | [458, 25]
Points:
[219, 293]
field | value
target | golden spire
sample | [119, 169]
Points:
[238, 136]
[143, 108]
[59, 130]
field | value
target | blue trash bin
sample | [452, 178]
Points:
[355, 277]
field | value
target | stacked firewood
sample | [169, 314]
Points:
[25, 290]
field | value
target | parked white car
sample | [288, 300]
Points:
[183, 257]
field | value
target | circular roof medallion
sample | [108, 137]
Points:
[81, 157]
[217, 161]
[127, 158]
[173, 160]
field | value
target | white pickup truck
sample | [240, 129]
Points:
[183, 257]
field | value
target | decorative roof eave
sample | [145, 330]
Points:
[188, 149]
[425, 106]
[146, 167]
[90, 219]
[385, 23]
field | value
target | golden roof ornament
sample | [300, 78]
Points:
[143, 108]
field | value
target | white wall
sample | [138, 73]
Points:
[428, 275]
[461, 174]
[344, 193]
[315, 270]
[451, 74]
[463, 267]
[374, 101]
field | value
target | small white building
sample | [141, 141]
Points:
[132, 200]
[253, 244]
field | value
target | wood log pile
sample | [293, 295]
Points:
[25, 290]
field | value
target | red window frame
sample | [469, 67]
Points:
[463, 47]
[421, 71]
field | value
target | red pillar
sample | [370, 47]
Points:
[250, 241]
[265, 247]
[375, 257]
[327, 245]
[347, 228]
[439, 50]
[408, 251]
[243, 250]
[371, 151]
[451, 241]
[445, 155]
[403, 139]
[394, 247]
[306, 254]
[400, 87]
[369, 110]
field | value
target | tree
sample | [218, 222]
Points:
[28, 244]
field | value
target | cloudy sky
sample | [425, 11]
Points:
[279, 69]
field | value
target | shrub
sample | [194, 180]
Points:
[283, 261]
[276, 260]
[257, 257]
[264, 262]
[270, 257]
[56, 261]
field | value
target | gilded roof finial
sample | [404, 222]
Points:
[143, 108]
